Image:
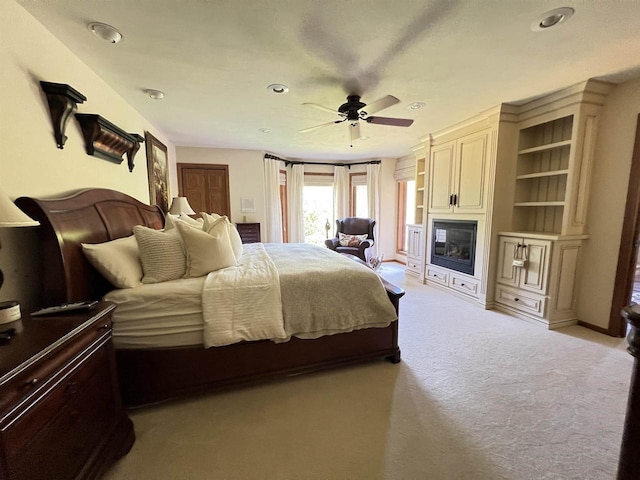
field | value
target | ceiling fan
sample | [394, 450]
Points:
[352, 112]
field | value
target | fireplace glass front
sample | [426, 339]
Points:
[453, 244]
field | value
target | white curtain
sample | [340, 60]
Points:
[373, 201]
[273, 207]
[295, 187]
[340, 192]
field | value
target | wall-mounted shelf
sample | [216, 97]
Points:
[104, 140]
[63, 101]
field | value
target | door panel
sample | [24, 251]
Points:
[533, 277]
[507, 274]
[472, 155]
[206, 187]
[441, 178]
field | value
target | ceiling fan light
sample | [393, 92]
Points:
[105, 32]
[416, 105]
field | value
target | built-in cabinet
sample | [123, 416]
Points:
[421, 183]
[457, 174]
[415, 250]
[523, 172]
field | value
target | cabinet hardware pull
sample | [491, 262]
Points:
[32, 382]
[462, 284]
[455, 199]
[103, 327]
[516, 299]
[451, 199]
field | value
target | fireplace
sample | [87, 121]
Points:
[453, 244]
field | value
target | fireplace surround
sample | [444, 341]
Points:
[453, 244]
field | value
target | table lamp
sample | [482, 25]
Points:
[180, 206]
[11, 216]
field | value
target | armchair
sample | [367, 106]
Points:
[353, 226]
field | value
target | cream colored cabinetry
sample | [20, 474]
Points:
[421, 184]
[457, 174]
[556, 140]
[415, 250]
[536, 278]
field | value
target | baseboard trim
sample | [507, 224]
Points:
[598, 329]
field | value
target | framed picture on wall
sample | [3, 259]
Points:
[157, 171]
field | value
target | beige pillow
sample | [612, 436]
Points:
[171, 220]
[161, 254]
[206, 251]
[118, 261]
[234, 236]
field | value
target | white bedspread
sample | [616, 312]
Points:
[243, 302]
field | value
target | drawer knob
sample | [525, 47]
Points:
[462, 284]
[516, 299]
[32, 382]
[103, 327]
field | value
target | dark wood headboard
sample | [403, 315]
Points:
[87, 216]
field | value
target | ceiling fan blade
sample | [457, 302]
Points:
[354, 131]
[321, 107]
[381, 104]
[395, 122]
[311, 129]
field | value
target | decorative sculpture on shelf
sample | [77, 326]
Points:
[63, 101]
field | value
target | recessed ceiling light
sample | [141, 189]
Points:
[416, 105]
[278, 88]
[105, 32]
[552, 18]
[154, 94]
[265, 130]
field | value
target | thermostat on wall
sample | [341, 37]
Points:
[9, 312]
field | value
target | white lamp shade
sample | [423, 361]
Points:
[180, 205]
[12, 216]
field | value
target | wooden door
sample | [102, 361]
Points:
[629, 257]
[441, 178]
[471, 164]
[206, 187]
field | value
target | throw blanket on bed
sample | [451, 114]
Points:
[243, 302]
[324, 292]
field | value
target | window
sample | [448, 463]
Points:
[406, 212]
[317, 207]
[359, 206]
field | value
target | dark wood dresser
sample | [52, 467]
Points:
[61, 415]
[249, 232]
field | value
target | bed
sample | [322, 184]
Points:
[151, 375]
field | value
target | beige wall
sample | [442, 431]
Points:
[30, 162]
[607, 203]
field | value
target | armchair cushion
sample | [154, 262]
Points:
[353, 236]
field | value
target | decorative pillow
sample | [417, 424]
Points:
[234, 236]
[171, 220]
[118, 261]
[207, 251]
[161, 254]
[194, 222]
[351, 240]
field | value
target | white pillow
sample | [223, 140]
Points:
[171, 220]
[234, 236]
[118, 261]
[206, 251]
[161, 254]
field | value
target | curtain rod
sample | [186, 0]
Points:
[297, 162]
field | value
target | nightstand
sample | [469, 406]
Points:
[60, 410]
[249, 232]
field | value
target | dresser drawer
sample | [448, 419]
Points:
[437, 276]
[30, 380]
[65, 423]
[414, 265]
[525, 302]
[464, 284]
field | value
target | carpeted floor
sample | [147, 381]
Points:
[478, 395]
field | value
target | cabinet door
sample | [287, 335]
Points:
[441, 178]
[414, 241]
[534, 276]
[471, 163]
[507, 274]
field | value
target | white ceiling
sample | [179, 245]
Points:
[214, 60]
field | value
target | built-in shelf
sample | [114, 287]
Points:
[549, 146]
[551, 173]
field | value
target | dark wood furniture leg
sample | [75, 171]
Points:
[629, 463]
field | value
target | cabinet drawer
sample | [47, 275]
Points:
[414, 264]
[35, 378]
[525, 302]
[464, 284]
[65, 423]
[437, 276]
